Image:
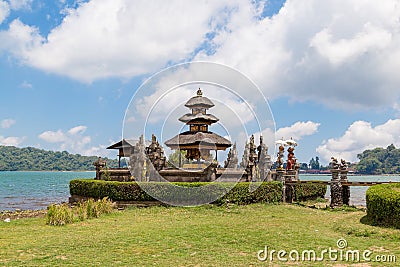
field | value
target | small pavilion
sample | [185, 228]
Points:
[198, 141]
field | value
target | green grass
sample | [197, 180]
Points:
[200, 236]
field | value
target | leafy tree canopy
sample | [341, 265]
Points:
[34, 159]
[379, 161]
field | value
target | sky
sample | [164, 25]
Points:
[329, 69]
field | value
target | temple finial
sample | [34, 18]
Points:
[199, 92]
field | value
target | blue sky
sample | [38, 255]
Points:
[69, 69]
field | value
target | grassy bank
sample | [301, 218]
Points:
[200, 236]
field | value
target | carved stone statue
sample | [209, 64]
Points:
[99, 165]
[264, 160]
[155, 154]
[343, 164]
[291, 162]
[232, 160]
[280, 155]
[138, 161]
[334, 163]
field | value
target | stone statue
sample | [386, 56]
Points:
[264, 160]
[232, 160]
[99, 165]
[155, 154]
[280, 155]
[334, 163]
[138, 161]
[343, 164]
[291, 162]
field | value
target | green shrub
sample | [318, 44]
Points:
[383, 205]
[304, 192]
[59, 215]
[64, 214]
[267, 192]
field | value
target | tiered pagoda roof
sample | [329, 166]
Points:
[198, 137]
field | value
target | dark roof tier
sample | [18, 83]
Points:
[207, 140]
[189, 117]
[199, 101]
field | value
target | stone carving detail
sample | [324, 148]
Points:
[264, 160]
[232, 160]
[99, 164]
[155, 153]
[138, 161]
[280, 156]
[339, 194]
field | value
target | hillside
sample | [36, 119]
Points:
[34, 159]
[379, 161]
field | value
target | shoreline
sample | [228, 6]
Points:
[22, 214]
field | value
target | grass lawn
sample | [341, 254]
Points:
[200, 236]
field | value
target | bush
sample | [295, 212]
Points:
[304, 192]
[267, 192]
[59, 215]
[383, 205]
[64, 214]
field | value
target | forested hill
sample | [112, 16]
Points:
[379, 161]
[34, 159]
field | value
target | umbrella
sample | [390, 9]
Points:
[281, 142]
[291, 142]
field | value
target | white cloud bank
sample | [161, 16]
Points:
[361, 135]
[7, 123]
[11, 141]
[297, 130]
[74, 141]
[344, 54]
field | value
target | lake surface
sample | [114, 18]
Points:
[357, 193]
[37, 190]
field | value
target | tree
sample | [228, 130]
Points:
[314, 163]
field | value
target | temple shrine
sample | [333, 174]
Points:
[198, 141]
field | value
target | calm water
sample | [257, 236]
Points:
[36, 190]
[357, 193]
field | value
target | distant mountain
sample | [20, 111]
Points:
[34, 159]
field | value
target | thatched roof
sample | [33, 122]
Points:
[199, 101]
[204, 139]
[199, 117]
[125, 146]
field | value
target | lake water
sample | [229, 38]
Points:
[357, 193]
[37, 190]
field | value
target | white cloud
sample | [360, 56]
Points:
[53, 137]
[74, 141]
[20, 39]
[7, 123]
[4, 10]
[11, 141]
[361, 135]
[77, 130]
[26, 85]
[342, 54]
[20, 4]
[297, 130]
[105, 38]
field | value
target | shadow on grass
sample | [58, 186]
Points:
[368, 221]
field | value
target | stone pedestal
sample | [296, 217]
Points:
[345, 189]
[336, 190]
[280, 177]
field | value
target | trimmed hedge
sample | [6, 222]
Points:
[217, 193]
[310, 191]
[383, 205]
[267, 192]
